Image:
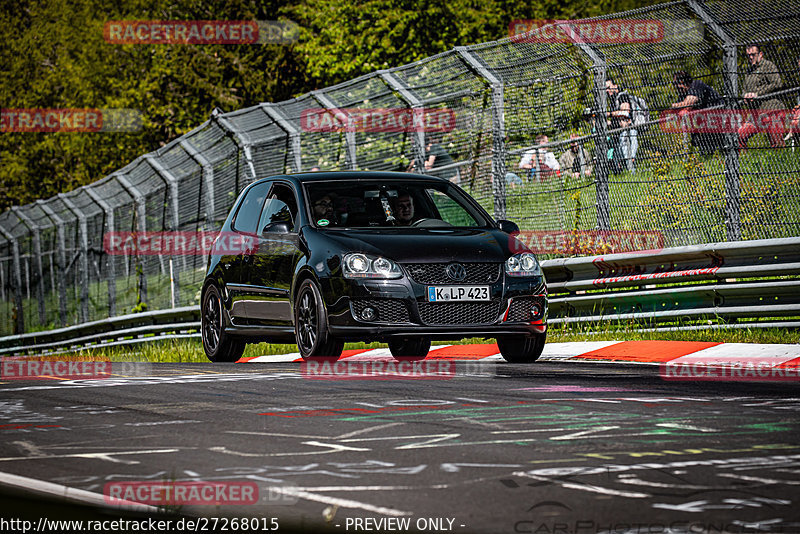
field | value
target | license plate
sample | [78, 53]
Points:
[457, 293]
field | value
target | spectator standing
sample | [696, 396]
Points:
[762, 78]
[625, 110]
[436, 156]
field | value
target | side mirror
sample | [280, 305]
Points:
[276, 227]
[508, 227]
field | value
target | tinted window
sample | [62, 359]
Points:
[275, 211]
[246, 219]
[281, 206]
[380, 204]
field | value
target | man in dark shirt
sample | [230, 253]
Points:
[695, 95]
[436, 156]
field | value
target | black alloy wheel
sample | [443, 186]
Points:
[218, 346]
[311, 325]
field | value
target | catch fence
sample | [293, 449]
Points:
[500, 98]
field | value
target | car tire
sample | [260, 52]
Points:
[218, 346]
[311, 325]
[521, 349]
[410, 348]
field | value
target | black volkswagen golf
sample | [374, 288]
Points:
[325, 258]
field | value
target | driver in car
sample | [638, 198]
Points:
[403, 209]
[323, 209]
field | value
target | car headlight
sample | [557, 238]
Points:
[524, 264]
[357, 265]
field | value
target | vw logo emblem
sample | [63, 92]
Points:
[456, 272]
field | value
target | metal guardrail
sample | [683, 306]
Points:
[725, 281]
[123, 329]
[728, 281]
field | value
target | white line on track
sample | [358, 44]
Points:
[66, 493]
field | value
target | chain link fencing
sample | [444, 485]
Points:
[677, 185]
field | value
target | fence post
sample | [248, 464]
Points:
[241, 140]
[37, 260]
[172, 183]
[84, 256]
[349, 133]
[141, 223]
[498, 128]
[733, 196]
[110, 264]
[58, 222]
[295, 149]
[19, 327]
[208, 178]
[417, 137]
[602, 198]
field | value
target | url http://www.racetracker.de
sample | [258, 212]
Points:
[201, 524]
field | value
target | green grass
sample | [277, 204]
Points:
[191, 350]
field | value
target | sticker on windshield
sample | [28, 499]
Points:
[323, 222]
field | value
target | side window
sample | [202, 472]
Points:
[246, 219]
[281, 206]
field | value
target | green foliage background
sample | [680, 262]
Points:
[54, 56]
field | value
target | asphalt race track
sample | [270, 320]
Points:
[489, 447]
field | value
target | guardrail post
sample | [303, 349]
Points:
[19, 326]
[242, 141]
[414, 103]
[293, 145]
[37, 260]
[141, 223]
[111, 268]
[349, 133]
[83, 272]
[208, 178]
[58, 222]
[602, 198]
[733, 196]
[172, 183]
[498, 128]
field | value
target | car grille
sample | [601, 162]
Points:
[434, 273]
[450, 313]
[520, 310]
[388, 310]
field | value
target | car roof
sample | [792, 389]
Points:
[321, 176]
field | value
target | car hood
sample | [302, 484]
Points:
[414, 245]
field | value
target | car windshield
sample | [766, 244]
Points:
[358, 204]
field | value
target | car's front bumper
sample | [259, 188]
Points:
[402, 309]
